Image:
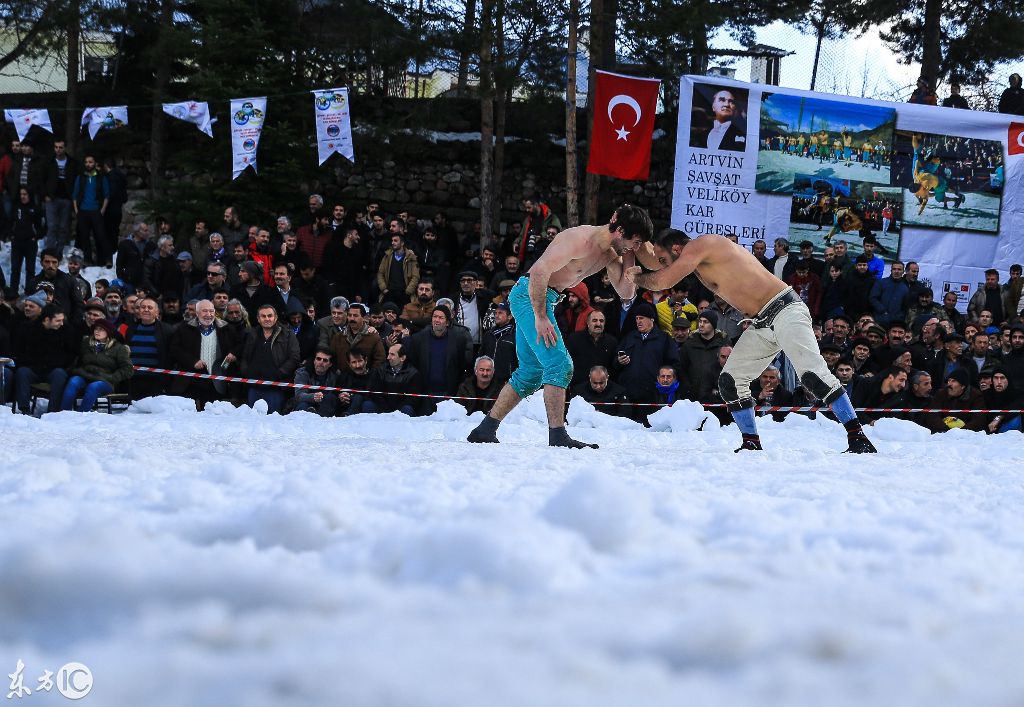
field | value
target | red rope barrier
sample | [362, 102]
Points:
[759, 408]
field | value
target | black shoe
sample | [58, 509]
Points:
[751, 443]
[558, 437]
[860, 444]
[478, 437]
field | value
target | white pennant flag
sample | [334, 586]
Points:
[195, 112]
[247, 115]
[24, 119]
[333, 124]
[104, 118]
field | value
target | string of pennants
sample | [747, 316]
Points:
[330, 109]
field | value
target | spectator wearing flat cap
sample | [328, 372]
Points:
[499, 343]
[470, 305]
[957, 394]
[953, 357]
[188, 276]
[642, 352]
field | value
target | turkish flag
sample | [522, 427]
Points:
[1015, 139]
[620, 138]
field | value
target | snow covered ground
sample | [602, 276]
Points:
[979, 212]
[775, 171]
[230, 558]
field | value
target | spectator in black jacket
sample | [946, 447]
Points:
[500, 344]
[269, 352]
[60, 172]
[117, 184]
[27, 170]
[441, 353]
[598, 389]
[479, 384]
[359, 380]
[26, 228]
[319, 371]
[880, 391]
[698, 358]
[63, 289]
[642, 352]
[396, 378]
[45, 351]
[132, 253]
[148, 341]
[205, 345]
[590, 348]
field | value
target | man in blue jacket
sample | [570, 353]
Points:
[90, 197]
[889, 296]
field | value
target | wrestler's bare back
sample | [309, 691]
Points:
[727, 269]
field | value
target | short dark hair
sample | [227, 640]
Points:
[402, 351]
[891, 371]
[635, 221]
[222, 290]
[49, 311]
[53, 253]
[669, 237]
[325, 350]
[991, 271]
[266, 306]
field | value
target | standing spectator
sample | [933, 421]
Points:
[1012, 99]
[6, 164]
[441, 353]
[857, 288]
[642, 352]
[539, 217]
[925, 307]
[1013, 361]
[232, 230]
[395, 380]
[203, 345]
[45, 351]
[148, 341]
[924, 94]
[782, 264]
[270, 352]
[435, 261]
[314, 238]
[953, 315]
[512, 271]
[160, 270]
[807, 286]
[333, 323]
[309, 285]
[26, 228]
[259, 251]
[499, 343]
[283, 293]
[676, 305]
[356, 336]
[198, 244]
[27, 171]
[889, 296]
[955, 100]
[479, 384]
[83, 290]
[816, 266]
[991, 297]
[132, 253]
[590, 348]
[117, 184]
[60, 175]
[63, 289]
[103, 364]
[571, 315]
[1013, 289]
[398, 273]
[90, 197]
[250, 290]
[318, 371]
[471, 305]
[698, 358]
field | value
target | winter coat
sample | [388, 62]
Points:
[887, 298]
[646, 355]
[571, 321]
[369, 344]
[26, 223]
[410, 272]
[587, 353]
[305, 375]
[112, 363]
[500, 344]
[970, 400]
[284, 350]
[468, 389]
[386, 380]
[130, 261]
[457, 356]
[698, 364]
[977, 303]
[64, 292]
[42, 349]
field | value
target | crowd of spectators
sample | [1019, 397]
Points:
[392, 307]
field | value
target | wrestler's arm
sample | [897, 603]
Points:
[645, 255]
[669, 275]
[617, 268]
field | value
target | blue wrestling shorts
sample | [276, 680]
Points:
[539, 364]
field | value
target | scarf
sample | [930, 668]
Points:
[669, 391]
[207, 330]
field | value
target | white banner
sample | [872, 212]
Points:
[195, 112]
[940, 186]
[104, 118]
[333, 124]
[24, 119]
[247, 116]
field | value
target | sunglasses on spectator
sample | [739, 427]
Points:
[323, 359]
[208, 273]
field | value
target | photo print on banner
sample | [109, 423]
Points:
[718, 117]
[826, 210]
[821, 138]
[949, 181]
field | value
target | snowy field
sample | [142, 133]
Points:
[775, 171]
[854, 243]
[230, 558]
[979, 212]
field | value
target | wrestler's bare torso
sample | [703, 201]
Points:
[575, 254]
[727, 269]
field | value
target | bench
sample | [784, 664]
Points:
[110, 403]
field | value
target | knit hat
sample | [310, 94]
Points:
[644, 309]
[38, 298]
[711, 316]
[960, 376]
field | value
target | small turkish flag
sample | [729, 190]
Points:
[620, 138]
[1015, 139]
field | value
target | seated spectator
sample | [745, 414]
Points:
[418, 310]
[571, 315]
[269, 352]
[398, 272]
[356, 335]
[599, 390]
[358, 379]
[917, 395]
[1001, 396]
[393, 381]
[959, 395]
[880, 391]
[318, 371]
[204, 345]
[952, 358]
[302, 326]
[698, 358]
[237, 317]
[333, 323]
[642, 352]
[103, 363]
[590, 348]
[667, 386]
[148, 341]
[45, 351]
[768, 390]
[480, 384]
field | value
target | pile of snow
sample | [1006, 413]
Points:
[231, 557]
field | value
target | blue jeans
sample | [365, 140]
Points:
[273, 396]
[1012, 424]
[92, 391]
[25, 378]
[539, 364]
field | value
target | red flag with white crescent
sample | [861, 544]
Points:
[1015, 139]
[620, 138]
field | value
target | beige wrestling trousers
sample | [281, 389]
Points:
[790, 332]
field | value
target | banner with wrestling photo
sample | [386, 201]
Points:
[941, 186]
